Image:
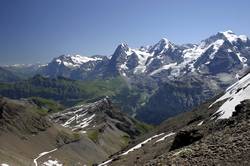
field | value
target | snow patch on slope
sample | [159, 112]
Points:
[83, 123]
[78, 120]
[41, 155]
[163, 138]
[165, 67]
[143, 57]
[199, 124]
[236, 93]
[216, 47]
[80, 117]
[3, 164]
[52, 163]
[140, 144]
[242, 59]
[106, 162]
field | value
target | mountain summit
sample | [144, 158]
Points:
[232, 37]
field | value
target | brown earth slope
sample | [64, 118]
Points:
[27, 134]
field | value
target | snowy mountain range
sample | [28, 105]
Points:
[224, 52]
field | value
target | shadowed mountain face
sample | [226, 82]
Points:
[174, 98]
[84, 134]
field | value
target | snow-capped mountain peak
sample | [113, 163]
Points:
[74, 60]
[128, 58]
[163, 45]
[121, 49]
[232, 37]
[123, 46]
[164, 40]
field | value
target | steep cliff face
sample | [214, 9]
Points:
[174, 98]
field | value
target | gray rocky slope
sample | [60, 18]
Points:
[215, 133]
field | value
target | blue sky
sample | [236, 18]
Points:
[38, 30]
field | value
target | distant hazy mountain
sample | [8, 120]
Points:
[73, 66]
[24, 70]
[7, 76]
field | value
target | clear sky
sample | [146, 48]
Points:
[38, 30]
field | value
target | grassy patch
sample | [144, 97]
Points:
[183, 152]
[125, 139]
[5, 85]
[93, 135]
[40, 111]
[66, 137]
[49, 105]
[143, 127]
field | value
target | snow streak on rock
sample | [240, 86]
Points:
[41, 155]
[233, 96]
